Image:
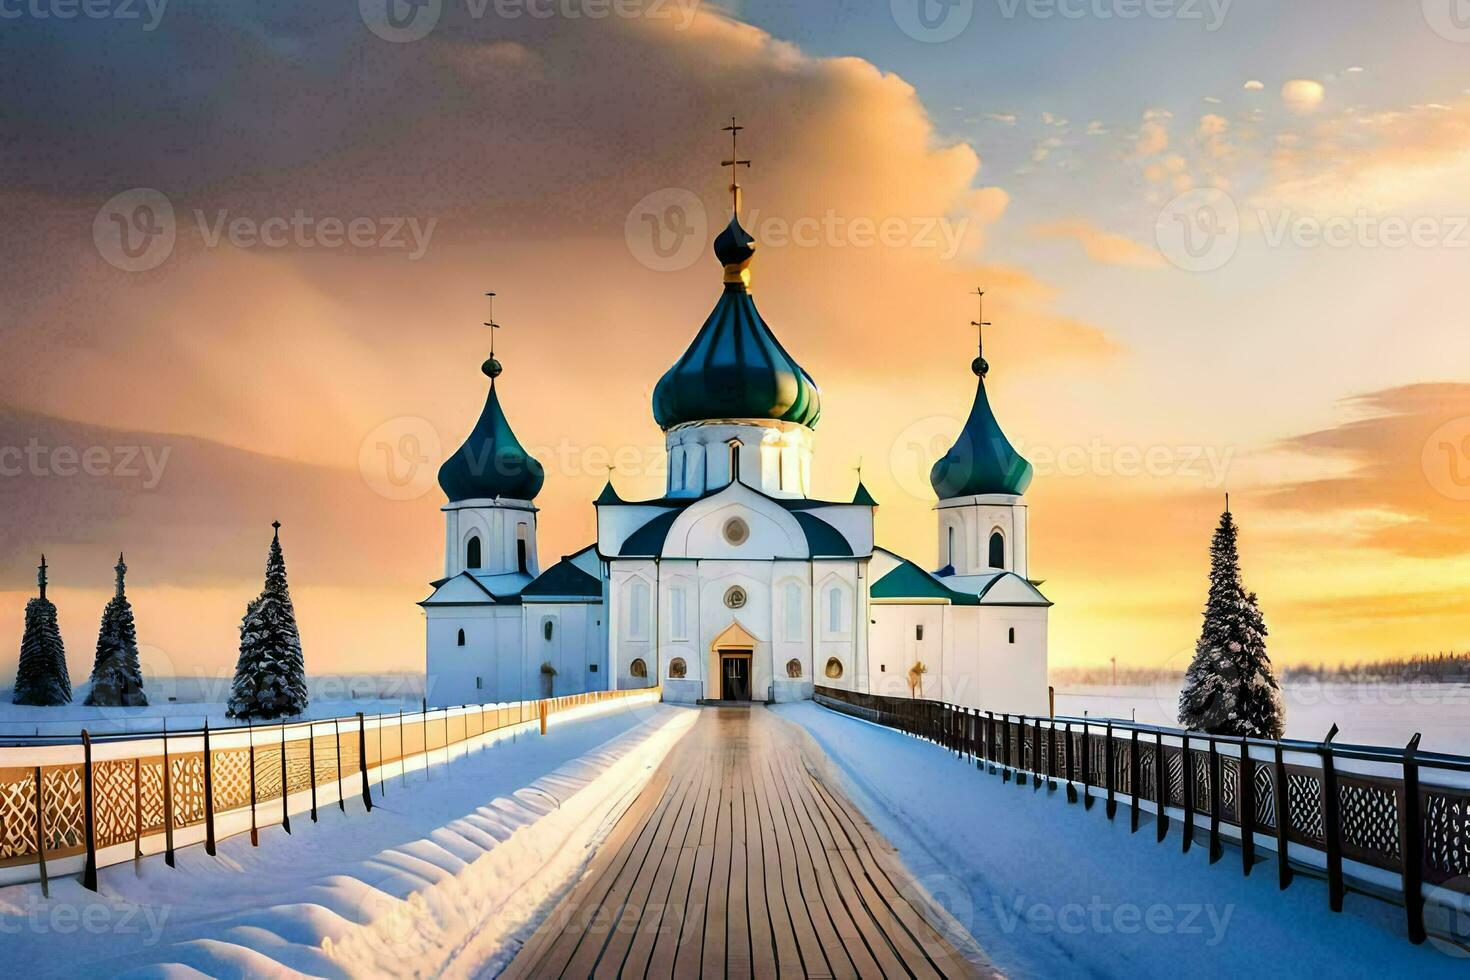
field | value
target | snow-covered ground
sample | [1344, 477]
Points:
[186, 702]
[1368, 713]
[1052, 890]
[444, 877]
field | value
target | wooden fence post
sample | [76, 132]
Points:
[208, 795]
[1005, 749]
[1021, 750]
[41, 835]
[1035, 754]
[367, 793]
[1247, 815]
[1069, 757]
[1135, 776]
[543, 717]
[1331, 824]
[990, 742]
[1186, 777]
[1215, 850]
[311, 763]
[250, 734]
[137, 808]
[285, 786]
[1086, 767]
[1411, 841]
[168, 802]
[1161, 785]
[89, 823]
[337, 745]
[1111, 773]
[1283, 821]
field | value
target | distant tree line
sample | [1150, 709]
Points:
[1422, 668]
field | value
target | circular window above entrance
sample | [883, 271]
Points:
[737, 532]
[735, 598]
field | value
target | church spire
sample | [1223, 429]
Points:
[41, 575]
[121, 568]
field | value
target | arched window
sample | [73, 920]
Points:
[638, 668]
[919, 632]
[1013, 634]
[997, 550]
[461, 638]
[472, 556]
[678, 614]
[548, 628]
[678, 668]
[950, 553]
[793, 669]
[523, 562]
[734, 445]
[834, 668]
[834, 610]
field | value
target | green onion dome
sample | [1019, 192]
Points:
[492, 462]
[736, 368]
[983, 460]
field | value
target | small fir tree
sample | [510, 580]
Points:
[270, 677]
[1230, 688]
[117, 679]
[41, 678]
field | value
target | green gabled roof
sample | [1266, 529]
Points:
[909, 581]
[648, 540]
[735, 368]
[862, 496]
[608, 495]
[564, 579]
[822, 539]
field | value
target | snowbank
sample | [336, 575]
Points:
[444, 877]
[1051, 890]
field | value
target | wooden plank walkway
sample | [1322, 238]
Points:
[741, 859]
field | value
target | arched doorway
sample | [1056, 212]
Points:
[732, 653]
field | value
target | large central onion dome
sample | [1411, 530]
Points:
[736, 368]
[492, 462]
[982, 461]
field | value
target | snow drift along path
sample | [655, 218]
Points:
[444, 877]
[1052, 890]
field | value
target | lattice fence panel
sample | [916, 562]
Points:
[1202, 798]
[1175, 776]
[1446, 838]
[1265, 784]
[150, 775]
[114, 802]
[186, 779]
[1370, 822]
[65, 819]
[1230, 790]
[17, 813]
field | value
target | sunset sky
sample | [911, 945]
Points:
[249, 365]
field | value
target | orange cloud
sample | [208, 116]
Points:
[1099, 245]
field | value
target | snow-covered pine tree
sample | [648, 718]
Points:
[117, 678]
[1229, 688]
[41, 678]
[270, 677]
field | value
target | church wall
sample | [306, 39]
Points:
[716, 579]
[575, 645]
[631, 611]
[895, 647]
[491, 656]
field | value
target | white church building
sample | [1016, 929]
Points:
[737, 584]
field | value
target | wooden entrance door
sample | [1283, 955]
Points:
[734, 676]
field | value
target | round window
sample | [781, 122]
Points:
[834, 668]
[678, 668]
[737, 532]
[735, 598]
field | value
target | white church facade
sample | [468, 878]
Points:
[737, 584]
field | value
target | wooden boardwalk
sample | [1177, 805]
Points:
[741, 859]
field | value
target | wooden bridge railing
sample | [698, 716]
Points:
[83, 803]
[1393, 823]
